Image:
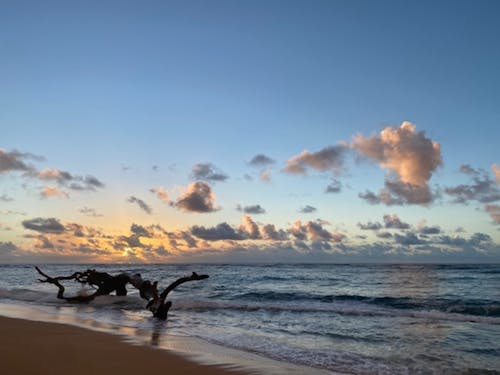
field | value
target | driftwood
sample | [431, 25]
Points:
[105, 284]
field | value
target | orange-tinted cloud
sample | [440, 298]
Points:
[265, 175]
[73, 182]
[330, 158]
[313, 231]
[161, 194]
[494, 211]
[250, 227]
[496, 171]
[409, 154]
[52, 191]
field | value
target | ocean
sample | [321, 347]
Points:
[348, 319]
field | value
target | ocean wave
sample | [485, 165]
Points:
[484, 311]
[206, 305]
[28, 295]
[50, 298]
[486, 308]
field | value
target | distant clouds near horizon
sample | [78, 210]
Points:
[409, 157]
[324, 131]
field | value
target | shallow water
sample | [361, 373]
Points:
[361, 319]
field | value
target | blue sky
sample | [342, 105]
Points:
[111, 89]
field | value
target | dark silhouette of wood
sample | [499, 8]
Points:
[106, 284]
[77, 276]
[159, 307]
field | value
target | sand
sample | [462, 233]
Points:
[28, 347]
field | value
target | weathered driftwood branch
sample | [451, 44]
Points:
[159, 307]
[106, 284]
[77, 276]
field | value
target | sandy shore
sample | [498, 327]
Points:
[28, 347]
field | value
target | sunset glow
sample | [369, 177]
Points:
[238, 143]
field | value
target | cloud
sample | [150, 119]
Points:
[481, 188]
[370, 226]
[61, 177]
[10, 212]
[16, 161]
[494, 211]
[146, 208]
[207, 172]
[4, 227]
[400, 193]
[307, 209]
[334, 187]
[265, 175]
[496, 172]
[188, 239]
[477, 242]
[161, 251]
[478, 238]
[76, 229]
[250, 227]
[73, 182]
[89, 212]
[49, 225]
[238, 244]
[248, 230]
[248, 177]
[330, 158]
[52, 191]
[198, 197]
[139, 230]
[129, 241]
[311, 231]
[222, 231]
[370, 197]
[161, 194]
[261, 160]
[7, 248]
[429, 230]
[252, 209]
[393, 221]
[12, 161]
[5, 198]
[408, 238]
[269, 232]
[44, 243]
[90, 183]
[384, 234]
[410, 155]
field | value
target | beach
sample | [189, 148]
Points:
[269, 319]
[29, 347]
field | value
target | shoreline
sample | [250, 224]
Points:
[34, 347]
[185, 353]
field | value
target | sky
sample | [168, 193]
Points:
[249, 131]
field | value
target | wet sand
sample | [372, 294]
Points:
[28, 347]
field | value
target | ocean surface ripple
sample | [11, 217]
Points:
[357, 319]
